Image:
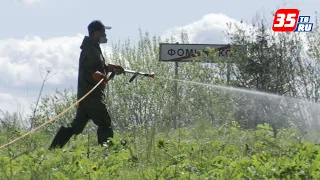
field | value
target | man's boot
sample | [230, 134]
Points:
[62, 137]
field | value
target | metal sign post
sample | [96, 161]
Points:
[177, 95]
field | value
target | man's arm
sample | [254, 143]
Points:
[90, 68]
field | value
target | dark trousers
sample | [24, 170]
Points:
[90, 108]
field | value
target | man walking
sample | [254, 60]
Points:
[92, 69]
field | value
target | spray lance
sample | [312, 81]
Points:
[135, 74]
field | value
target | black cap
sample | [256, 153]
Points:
[96, 25]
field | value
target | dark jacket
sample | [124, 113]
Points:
[91, 60]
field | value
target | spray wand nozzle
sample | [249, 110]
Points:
[135, 74]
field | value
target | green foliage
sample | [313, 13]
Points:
[52, 105]
[196, 152]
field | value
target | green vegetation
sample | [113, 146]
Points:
[200, 131]
[200, 152]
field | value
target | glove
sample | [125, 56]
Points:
[97, 76]
[119, 69]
